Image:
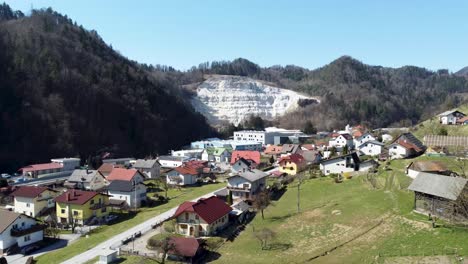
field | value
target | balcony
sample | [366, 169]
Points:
[238, 189]
[98, 206]
[16, 232]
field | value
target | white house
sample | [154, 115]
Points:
[363, 139]
[340, 140]
[18, 230]
[119, 161]
[150, 167]
[132, 194]
[216, 154]
[189, 153]
[371, 148]
[450, 117]
[91, 180]
[341, 164]
[171, 161]
[33, 200]
[240, 165]
[266, 137]
[246, 184]
[386, 138]
[406, 145]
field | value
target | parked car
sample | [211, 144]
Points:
[6, 176]
[29, 249]
[19, 180]
[110, 218]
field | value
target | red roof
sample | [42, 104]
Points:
[43, 166]
[335, 135]
[192, 167]
[122, 174]
[272, 150]
[28, 191]
[184, 246]
[209, 209]
[108, 167]
[75, 197]
[462, 120]
[296, 158]
[246, 154]
[347, 136]
[357, 134]
[408, 145]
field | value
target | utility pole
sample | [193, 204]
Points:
[298, 196]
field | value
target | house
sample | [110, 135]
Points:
[18, 230]
[341, 164]
[106, 168]
[273, 150]
[439, 195]
[371, 148]
[33, 200]
[240, 165]
[311, 156]
[253, 157]
[246, 184]
[171, 161]
[119, 161]
[81, 206]
[62, 166]
[427, 166]
[216, 154]
[91, 180]
[202, 218]
[133, 194]
[288, 149]
[126, 175]
[189, 153]
[292, 164]
[363, 138]
[462, 121]
[184, 249]
[386, 138]
[339, 141]
[187, 174]
[150, 167]
[405, 146]
[265, 137]
[450, 117]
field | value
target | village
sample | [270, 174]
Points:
[194, 204]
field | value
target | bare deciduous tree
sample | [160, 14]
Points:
[264, 235]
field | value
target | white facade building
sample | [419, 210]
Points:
[150, 167]
[18, 229]
[171, 161]
[339, 165]
[33, 200]
[266, 137]
[126, 191]
[363, 139]
[342, 140]
[371, 148]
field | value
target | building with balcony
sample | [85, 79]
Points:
[33, 200]
[81, 207]
[202, 218]
[246, 184]
[18, 230]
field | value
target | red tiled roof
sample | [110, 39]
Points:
[246, 154]
[193, 167]
[357, 134]
[296, 158]
[462, 120]
[272, 149]
[43, 166]
[184, 246]
[408, 145]
[75, 197]
[209, 209]
[28, 191]
[122, 174]
[107, 167]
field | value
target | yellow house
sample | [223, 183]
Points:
[81, 206]
[292, 164]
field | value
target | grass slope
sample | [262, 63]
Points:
[376, 221]
[432, 126]
[105, 232]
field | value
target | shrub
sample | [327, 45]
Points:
[169, 226]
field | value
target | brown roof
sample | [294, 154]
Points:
[296, 158]
[6, 219]
[273, 150]
[43, 166]
[122, 174]
[209, 209]
[184, 246]
[28, 191]
[246, 154]
[462, 120]
[76, 197]
[106, 168]
[428, 166]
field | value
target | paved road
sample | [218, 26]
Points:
[115, 241]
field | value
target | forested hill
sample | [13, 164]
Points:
[353, 92]
[65, 92]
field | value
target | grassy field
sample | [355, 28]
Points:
[432, 126]
[360, 221]
[105, 232]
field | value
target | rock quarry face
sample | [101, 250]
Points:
[233, 98]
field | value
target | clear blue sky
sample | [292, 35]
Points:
[431, 34]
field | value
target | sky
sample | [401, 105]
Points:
[311, 34]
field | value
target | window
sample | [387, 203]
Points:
[62, 211]
[27, 238]
[92, 202]
[27, 205]
[22, 224]
[15, 226]
[196, 217]
[104, 209]
[75, 213]
[186, 216]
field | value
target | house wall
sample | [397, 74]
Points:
[84, 212]
[170, 163]
[340, 142]
[152, 173]
[397, 152]
[97, 182]
[288, 167]
[33, 206]
[251, 187]
[200, 227]
[6, 240]
[448, 120]
[338, 166]
[363, 139]
[133, 198]
[371, 149]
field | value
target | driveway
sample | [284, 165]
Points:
[116, 241]
[65, 240]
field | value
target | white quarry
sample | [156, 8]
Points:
[224, 98]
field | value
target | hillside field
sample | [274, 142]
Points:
[363, 222]
[432, 126]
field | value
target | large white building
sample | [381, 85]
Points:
[266, 137]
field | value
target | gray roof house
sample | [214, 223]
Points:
[440, 195]
[247, 184]
[86, 179]
[150, 167]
